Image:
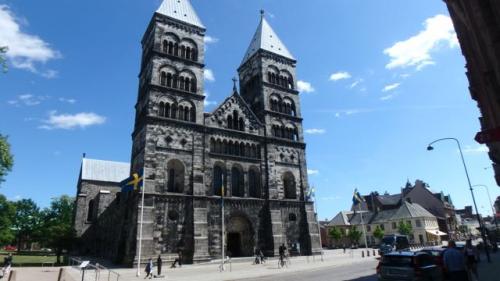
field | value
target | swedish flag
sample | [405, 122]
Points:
[357, 198]
[132, 183]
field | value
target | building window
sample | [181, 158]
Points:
[419, 223]
[90, 211]
[219, 179]
[368, 228]
[382, 227]
[289, 186]
[175, 180]
[394, 225]
[292, 217]
[254, 183]
[237, 184]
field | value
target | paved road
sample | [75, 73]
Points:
[356, 272]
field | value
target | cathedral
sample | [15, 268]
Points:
[249, 151]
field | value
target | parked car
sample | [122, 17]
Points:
[393, 243]
[437, 255]
[10, 248]
[406, 265]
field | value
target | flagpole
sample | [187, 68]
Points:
[141, 222]
[223, 224]
[319, 227]
[363, 225]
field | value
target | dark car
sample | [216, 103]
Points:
[406, 265]
[437, 255]
[393, 243]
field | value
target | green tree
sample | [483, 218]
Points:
[3, 60]
[354, 235]
[7, 214]
[6, 158]
[405, 228]
[378, 232]
[57, 228]
[27, 221]
[336, 234]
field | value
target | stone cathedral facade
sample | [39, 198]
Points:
[252, 144]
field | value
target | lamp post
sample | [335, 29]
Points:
[491, 203]
[481, 225]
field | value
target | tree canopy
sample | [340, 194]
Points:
[7, 214]
[335, 233]
[26, 223]
[354, 235]
[378, 232]
[405, 228]
[6, 158]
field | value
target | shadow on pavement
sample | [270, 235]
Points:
[365, 278]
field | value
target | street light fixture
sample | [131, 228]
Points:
[491, 203]
[481, 225]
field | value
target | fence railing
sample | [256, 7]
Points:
[94, 271]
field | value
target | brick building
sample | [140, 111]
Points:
[252, 144]
[477, 23]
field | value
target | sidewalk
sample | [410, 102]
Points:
[241, 269]
[489, 271]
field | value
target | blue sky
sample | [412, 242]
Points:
[379, 81]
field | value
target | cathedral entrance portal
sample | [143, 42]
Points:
[240, 237]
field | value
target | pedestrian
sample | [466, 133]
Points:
[159, 264]
[178, 260]
[470, 256]
[149, 269]
[343, 247]
[7, 263]
[454, 263]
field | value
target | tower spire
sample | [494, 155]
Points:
[180, 10]
[235, 90]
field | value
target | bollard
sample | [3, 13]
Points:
[12, 275]
[362, 254]
[367, 253]
[59, 278]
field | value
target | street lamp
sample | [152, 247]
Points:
[491, 203]
[481, 225]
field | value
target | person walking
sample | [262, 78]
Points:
[7, 263]
[454, 262]
[470, 256]
[178, 260]
[159, 264]
[149, 269]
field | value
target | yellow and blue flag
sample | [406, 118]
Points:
[132, 183]
[357, 198]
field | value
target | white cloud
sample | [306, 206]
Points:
[387, 97]
[25, 50]
[312, 172]
[208, 102]
[416, 50]
[391, 87]
[49, 74]
[66, 100]
[304, 87]
[315, 131]
[475, 150]
[27, 100]
[340, 76]
[208, 74]
[69, 121]
[210, 40]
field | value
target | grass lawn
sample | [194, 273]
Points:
[29, 259]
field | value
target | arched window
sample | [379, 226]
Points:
[176, 49]
[193, 114]
[169, 80]
[161, 110]
[254, 151]
[186, 114]
[254, 183]
[187, 84]
[90, 211]
[181, 112]
[218, 146]
[235, 120]
[289, 186]
[241, 124]
[212, 145]
[194, 55]
[183, 51]
[193, 85]
[167, 110]
[188, 53]
[231, 148]
[165, 46]
[173, 112]
[174, 82]
[219, 179]
[230, 122]
[163, 78]
[290, 83]
[181, 83]
[175, 180]
[237, 184]
[242, 150]
[170, 48]
[237, 149]
[225, 147]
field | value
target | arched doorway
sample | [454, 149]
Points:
[240, 236]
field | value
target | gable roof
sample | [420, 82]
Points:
[409, 210]
[242, 103]
[342, 218]
[181, 10]
[105, 171]
[266, 39]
